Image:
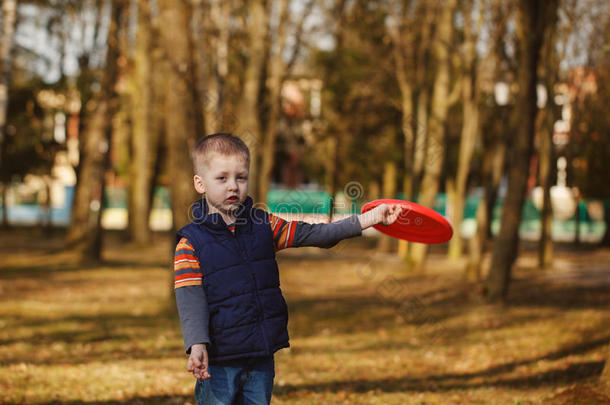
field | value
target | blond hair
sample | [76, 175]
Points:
[221, 143]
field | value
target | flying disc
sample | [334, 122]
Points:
[415, 223]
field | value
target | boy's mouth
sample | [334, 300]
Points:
[233, 199]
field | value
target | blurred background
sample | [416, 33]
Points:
[492, 112]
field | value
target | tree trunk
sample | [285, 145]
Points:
[276, 75]
[411, 63]
[5, 223]
[85, 231]
[494, 150]
[606, 239]
[545, 244]
[144, 138]
[9, 24]
[249, 127]
[408, 129]
[493, 164]
[201, 61]
[215, 63]
[399, 38]
[332, 162]
[386, 243]
[470, 128]
[531, 22]
[550, 63]
[181, 108]
[435, 146]
[336, 138]
[420, 124]
[420, 139]
[159, 75]
[7, 40]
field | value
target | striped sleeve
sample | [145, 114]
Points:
[324, 235]
[283, 232]
[186, 265]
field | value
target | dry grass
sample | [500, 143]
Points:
[363, 331]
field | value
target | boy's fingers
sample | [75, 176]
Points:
[192, 364]
[201, 375]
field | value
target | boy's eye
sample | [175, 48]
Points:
[221, 178]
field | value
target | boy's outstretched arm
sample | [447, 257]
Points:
[298, 233]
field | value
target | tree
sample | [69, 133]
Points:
[495, 129]
[85, 232]
[181, 127]
[435, 142]
[145, 136]
[532, 19]
[589, 144]
[411, 33]
[7, 39]
[278, 71]
[250, 128]
[471, 119]
[545, 129]
[360, 113]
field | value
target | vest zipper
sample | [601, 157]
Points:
[261, 318]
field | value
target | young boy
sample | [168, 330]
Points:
[232, 312]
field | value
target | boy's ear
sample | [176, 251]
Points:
[198, 182]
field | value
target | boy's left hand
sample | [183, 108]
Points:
[385, 214]
[198, 362]
[389, 213]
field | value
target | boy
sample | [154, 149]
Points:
[232, 312]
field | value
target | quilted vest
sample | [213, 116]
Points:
[248, 314]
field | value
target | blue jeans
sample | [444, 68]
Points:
[238, 382]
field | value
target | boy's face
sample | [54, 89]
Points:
[224, 181]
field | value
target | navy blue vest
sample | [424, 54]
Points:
[248, 314]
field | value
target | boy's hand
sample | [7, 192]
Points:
[198, 362]
[385, 214]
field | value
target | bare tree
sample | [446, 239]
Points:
[402, 31]
[494, 143]
[411, 32]
[145, 136]
[550, 68]
[471, 119]
[435, 142]
[278, 71]
[277, 68]
[9, 22]
[85, 231]
[339, 18]
[532, 19]
[181, 126]
[211, 25]
[249, 130]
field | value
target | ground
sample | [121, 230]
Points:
[363, 330]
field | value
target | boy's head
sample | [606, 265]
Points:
[221, 164]
[220, 143]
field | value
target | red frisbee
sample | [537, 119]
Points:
[415, 223]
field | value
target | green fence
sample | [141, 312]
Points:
[319, 202]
